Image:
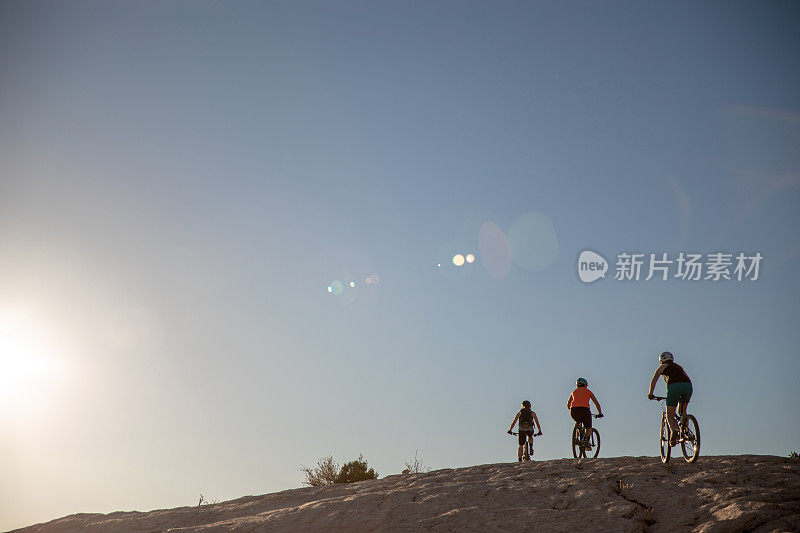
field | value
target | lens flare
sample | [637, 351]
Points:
[368, 281]
[458, 260]
[494, 250]
[446, 261]
[375, 279]
[532, 241]
[336, 288]
[352, 284]
[470, 258]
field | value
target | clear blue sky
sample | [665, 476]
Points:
[180, 182]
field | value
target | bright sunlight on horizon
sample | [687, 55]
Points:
[27, 359]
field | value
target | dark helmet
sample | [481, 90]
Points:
[664, 357]
[581, 382]
[527, 404]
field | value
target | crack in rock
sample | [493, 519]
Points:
[647, 512]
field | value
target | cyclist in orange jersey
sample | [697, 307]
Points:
[578, 405]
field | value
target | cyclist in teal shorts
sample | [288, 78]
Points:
[679, 391]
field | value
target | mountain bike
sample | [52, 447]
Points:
[583, 443]
[688, 435]
[527, 449]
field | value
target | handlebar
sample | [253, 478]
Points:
[515, 434]
[598, 416]
[658, 398]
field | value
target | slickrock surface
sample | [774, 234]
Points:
[722, 493]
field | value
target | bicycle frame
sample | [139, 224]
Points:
[527, 448]
[579, 444]
[688, 438]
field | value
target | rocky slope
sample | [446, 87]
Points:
[723, 493]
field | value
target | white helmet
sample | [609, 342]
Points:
[664, 357]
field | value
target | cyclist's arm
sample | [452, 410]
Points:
[597, 404]
[569, 402]
[653, 381]
[514, 422]
[538, 425]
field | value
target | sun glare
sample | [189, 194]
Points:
[26, 359]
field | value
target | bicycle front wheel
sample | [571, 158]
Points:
[595, 441]
[577, 444]
[690, 440]
[665, 449]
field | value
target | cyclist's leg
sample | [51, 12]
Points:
[686, 396]
[673, 396]
[582, 416]
[530, 443]
[678, 395]
[521, 442]
[681, 410]
[587, 425]
[683, 403]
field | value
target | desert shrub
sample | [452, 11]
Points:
[355, 471]
[794, 455]
[416, 466]
[203, 501]
[324, 473]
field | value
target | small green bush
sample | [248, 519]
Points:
[355, 471]
[327, 471]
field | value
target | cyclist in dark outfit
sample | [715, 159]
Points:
[679, 391]
[528, 422]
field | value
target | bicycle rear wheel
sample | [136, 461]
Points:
[665, 449]
[577, 442]
[595, 441]
[690, 441]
